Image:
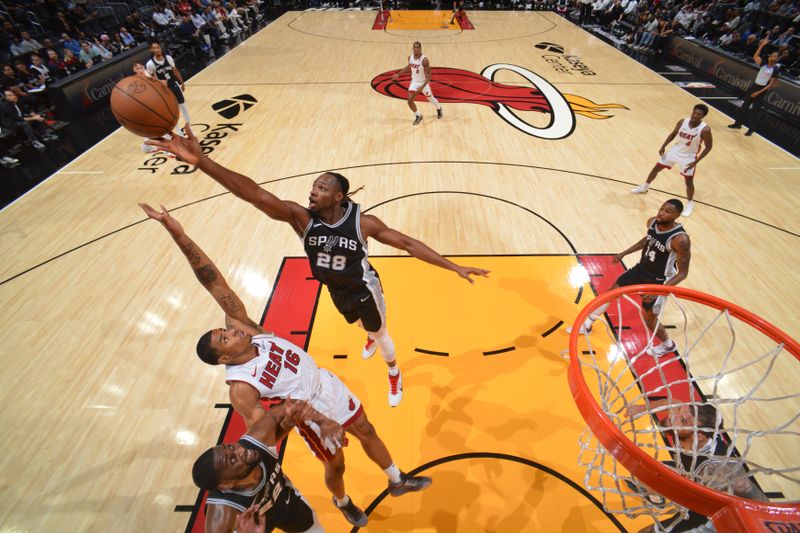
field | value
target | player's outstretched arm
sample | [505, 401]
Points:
[188, 149]
[372, 226]
[683, 256]
[204, 269]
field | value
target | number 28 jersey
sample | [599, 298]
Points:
[338, 252]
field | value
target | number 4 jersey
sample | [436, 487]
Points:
[338, 252]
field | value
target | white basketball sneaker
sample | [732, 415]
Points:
[395, 389]
[662, 349]
[687, 211]
[369, 348]
[641, 189]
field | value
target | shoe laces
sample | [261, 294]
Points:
[394, 382]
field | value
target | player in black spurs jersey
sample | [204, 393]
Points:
[334, 233]
[239, 475]
[666, 252]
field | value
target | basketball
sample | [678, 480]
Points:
[144, 107]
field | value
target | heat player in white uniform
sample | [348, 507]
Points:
[420, 69]
[693, 134]
[261, 366]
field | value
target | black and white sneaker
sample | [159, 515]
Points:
[409, 484]
[417, 120]
[352, 514]
[439, 113]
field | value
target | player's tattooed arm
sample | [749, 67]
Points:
[683, 251]
[204, 269]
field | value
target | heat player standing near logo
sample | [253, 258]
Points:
[420, 69]
[692, 132]
[162, 67]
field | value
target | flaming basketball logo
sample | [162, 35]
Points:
[452, 85]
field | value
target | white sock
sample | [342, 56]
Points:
[185, 112]
[341, 503]
[417, 113]
[435, 102]
[393, 473]
[393, 370]
[385, 343]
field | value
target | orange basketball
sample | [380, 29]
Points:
[145, 107]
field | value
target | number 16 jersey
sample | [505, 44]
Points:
[338, 252]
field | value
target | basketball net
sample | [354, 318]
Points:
[654, 447]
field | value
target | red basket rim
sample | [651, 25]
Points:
[709, 502]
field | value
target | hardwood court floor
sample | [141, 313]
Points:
[105, 405]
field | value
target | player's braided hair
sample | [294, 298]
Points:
[204, 475]
[344, 185]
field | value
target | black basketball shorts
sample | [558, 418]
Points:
[636, 275]
[292, 513]
[361, 305]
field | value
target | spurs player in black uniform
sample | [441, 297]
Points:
[246, 473]
[666, 252]
[162, 67]
[334, 233]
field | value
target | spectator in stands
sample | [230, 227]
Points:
[232, 15]
[685, 17]
[750, 45]
[731, 42]
[72, 62]
[90, 54]
[70, 44]
[784, 38]
[189, 32]
[222, 14]
[15, 115]
[85, 20]
[732, 22]
[127, 39]
[766, 79]
[160, 17]
[586, 12]
[212, 19]
[56, 65]
[117, 44]
[183, 7]
[33, 82]
[37, 66]
[60, 24]
[134, 24]
[105, 47]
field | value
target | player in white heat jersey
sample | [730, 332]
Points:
[692, 134]
[420, 69]
[260, 365]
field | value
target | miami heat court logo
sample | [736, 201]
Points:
[452, 85]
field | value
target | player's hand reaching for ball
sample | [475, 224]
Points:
[173, 226]
[187, 149]
[466, 272]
